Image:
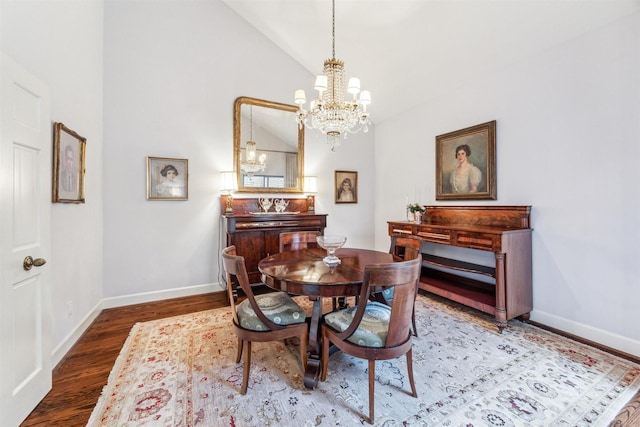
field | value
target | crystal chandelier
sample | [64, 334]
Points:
[330, 113]
[252, 162]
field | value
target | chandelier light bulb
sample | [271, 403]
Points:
[253, 162]
[251, 151]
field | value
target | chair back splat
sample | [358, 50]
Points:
[406, 247]
[261, 318]
[297, 240]
[234, 266]
[385, 332]
[404, 295]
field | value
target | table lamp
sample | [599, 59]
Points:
[229, 184]
[311, 188]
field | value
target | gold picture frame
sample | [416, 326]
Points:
[466, 163]
[69, 150]
[346, 185]
[167, 178]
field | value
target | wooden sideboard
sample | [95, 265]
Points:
[503, 230]
[257, 235]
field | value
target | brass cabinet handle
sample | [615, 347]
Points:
[29, 263]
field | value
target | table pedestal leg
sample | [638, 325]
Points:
[312, 371]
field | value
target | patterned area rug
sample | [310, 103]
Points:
[181, 371]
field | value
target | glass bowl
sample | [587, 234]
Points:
[331, 244]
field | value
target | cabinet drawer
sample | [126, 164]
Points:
[293, 224]
[434, 235]
[487, 242]
[396, 228]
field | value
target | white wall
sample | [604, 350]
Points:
[568, 132]
[354, 154]
[172, 73]
[61, 44]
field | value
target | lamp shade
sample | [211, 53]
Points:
[354, 85]
[229, 181]
[300, 97]
[365, 97]
[321, 83]
[310, 184]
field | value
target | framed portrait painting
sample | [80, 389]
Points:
[346, 185]
[69, 150]
[466, 163]
[167, 178]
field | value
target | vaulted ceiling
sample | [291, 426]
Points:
[408, 51]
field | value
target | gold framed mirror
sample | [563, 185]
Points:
[273, 161]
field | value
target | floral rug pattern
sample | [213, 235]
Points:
[181, 371]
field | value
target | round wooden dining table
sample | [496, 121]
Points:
[304, 273]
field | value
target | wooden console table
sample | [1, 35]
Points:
[257, 235]
[503, 230]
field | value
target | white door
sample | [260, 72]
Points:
[25, 210]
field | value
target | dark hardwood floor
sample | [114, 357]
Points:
[79, 378]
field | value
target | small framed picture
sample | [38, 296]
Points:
[167, 178]
[466, 163]
[68, 165]
[346, 187]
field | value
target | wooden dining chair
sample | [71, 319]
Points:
[261, 318]
[372, 330]
[297, 240]
[406, 247]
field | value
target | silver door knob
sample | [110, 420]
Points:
[29, 263]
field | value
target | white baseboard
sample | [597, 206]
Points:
[161, 295]
[68, 342]
[605, 338]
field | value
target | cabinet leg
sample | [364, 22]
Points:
[501, 295]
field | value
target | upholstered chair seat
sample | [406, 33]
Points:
[277, 306]
[372, 329]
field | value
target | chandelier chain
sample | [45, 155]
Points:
[333, 30]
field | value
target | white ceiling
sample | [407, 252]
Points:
[406, 51]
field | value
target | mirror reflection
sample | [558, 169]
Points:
[268, 147]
